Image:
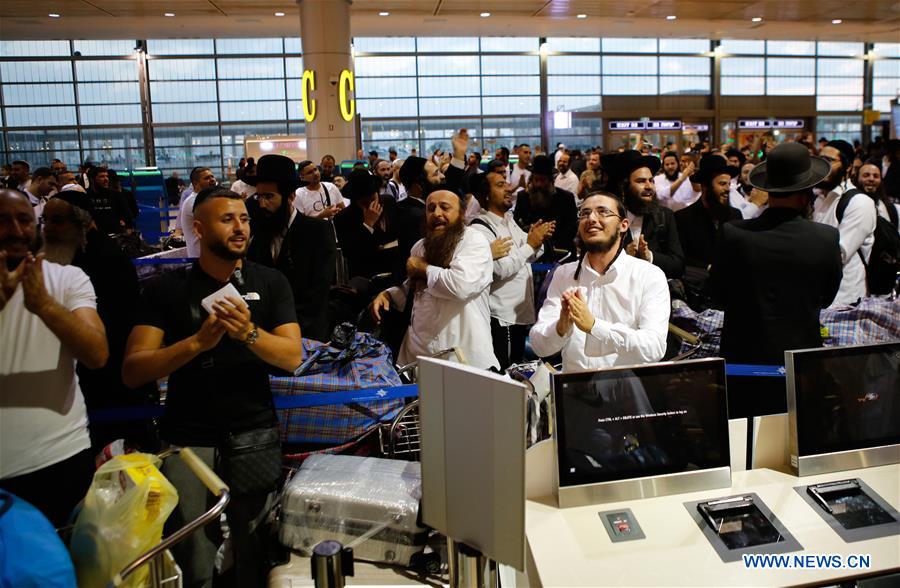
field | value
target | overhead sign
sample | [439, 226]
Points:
[645, 125]
[771, 123]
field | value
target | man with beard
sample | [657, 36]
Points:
[218, 366]
[869, 181]
[502, 156]
[773, 275]
[20, 176]
[48, 321]
[566, 178]
[605, 309]
[366, 228]
[328, 168]
[652, 233]
[518, 177]
[449, 273]
[420, 177]
[542, 201]
[857, 226]
[383, 172]
[512, 291]
[71, 237]
[699, 224]
[302, 248]
[749, 207]
[673, 187]
[111, 211]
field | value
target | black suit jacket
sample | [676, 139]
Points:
[562, 210]
[891, 182]
[661, 233]
[698, 233]
[307, 259]
[364, 249]
[773, 274]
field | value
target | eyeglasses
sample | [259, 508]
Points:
[266, 195]
[602, 212]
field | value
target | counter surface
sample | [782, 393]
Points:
[569, 547]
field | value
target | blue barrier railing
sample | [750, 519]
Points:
[143, 413]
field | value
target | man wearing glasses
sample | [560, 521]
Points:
[605, 309]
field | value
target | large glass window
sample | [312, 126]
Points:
[886, 77]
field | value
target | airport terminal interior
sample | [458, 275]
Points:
[430, 292]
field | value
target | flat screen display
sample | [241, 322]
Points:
[623, 423]
[846, 398]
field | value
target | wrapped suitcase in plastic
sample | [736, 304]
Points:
[367, 503]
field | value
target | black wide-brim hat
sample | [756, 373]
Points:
[712, 166]
[277, 168]
[620, 165]
[789, 168]
[361, 184]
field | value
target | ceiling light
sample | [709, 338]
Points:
[485, 14]
[837, 21]
[581, 16]
[671, 17]
[169, 14]
[279, 14]
[384, 14]
[53, 15]
[756, 19]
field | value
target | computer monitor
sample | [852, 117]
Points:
[843, 407]
[640, 431]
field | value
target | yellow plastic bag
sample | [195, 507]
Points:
[123, 516]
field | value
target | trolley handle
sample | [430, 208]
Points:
[215, 485]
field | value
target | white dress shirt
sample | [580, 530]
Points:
[684, 196]
[453, 309]
[630, 304]
[568, 181]
[313, 202]
[737, 200]
[189, 191]
[243, 188]
[516, 173]
[856, 234]
[512, 291]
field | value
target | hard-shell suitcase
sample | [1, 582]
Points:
[368, 503]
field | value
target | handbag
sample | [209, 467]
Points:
[250, 461]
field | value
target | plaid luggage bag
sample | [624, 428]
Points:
[366, 363]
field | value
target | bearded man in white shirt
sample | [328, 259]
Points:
[673, 187]
[607, 308]
[566, 178]
[512, 291]
[449, 273]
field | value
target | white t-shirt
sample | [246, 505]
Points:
[187, 226]
[313, 202]
[43, 419]
[243, 188]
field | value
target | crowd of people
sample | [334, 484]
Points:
[437, 250]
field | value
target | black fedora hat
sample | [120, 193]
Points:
[361, 184]
[712, 166]
[789, 168]
[542, 166]
[278, 169]
[619, 166]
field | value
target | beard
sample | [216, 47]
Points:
[601, 246]
[440, 246]
[64, 250]
[831, 181]
[273, 223]
[637, 205]
[220, 248]
[542, 198]
[672, 177]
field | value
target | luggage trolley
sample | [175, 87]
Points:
[164, 570]
[400, 438]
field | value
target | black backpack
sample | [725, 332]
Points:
[884, 262]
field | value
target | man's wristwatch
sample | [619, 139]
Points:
[251, 337]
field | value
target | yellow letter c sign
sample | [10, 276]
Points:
[308, 84]
[348, 105]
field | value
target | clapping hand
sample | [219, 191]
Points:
[577, 310]
[500, 247]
